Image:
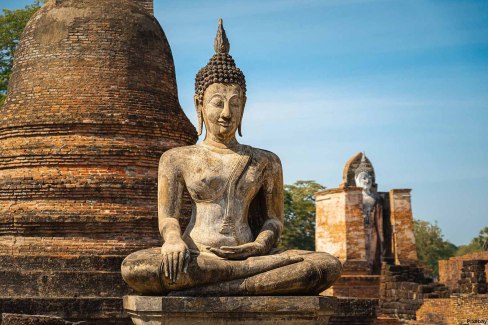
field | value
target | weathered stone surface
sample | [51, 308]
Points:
[230, 310]
[91, 106]
[457, 309]
[17, 319]
[87, 116]
[360, 286]
[93, 311]
[401, 218]
[450, 270]
[339, 225]
[228, 248]
[473, 277]
[403, 289]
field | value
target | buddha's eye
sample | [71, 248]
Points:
[217, 102]
[234, 103]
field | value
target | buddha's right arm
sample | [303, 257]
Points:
[170, 198]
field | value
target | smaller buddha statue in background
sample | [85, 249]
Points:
[372, 213]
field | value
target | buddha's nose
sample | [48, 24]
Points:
[226, 113]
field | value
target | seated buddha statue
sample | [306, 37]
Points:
[229, 245]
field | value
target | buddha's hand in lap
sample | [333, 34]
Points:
[176, 257]
[240, 252]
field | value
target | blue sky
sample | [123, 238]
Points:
[405, 81]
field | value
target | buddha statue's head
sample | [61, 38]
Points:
[364, 175]
[220, 92]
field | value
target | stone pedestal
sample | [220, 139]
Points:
[263, 310]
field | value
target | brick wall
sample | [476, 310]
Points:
[403, 289]
[91, 106]
[450, 270]
[458, 309]
[340, 227]
[359, 286]
[473, 277]
[147, 4]
[401, 218]
[470, 307]
[435, 311]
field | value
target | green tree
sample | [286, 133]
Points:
[12, 24]
[482, 239]
[431, 246]
[299, 230]
[477, 244]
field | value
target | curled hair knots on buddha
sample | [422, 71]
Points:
[220, 69]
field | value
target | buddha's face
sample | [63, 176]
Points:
[364, 180]
[223, 105]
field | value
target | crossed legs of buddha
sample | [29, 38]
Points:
[289, 272]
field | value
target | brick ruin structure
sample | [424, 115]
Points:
[91, 106]
[450, 270]
[468, 302]
[341, 229]
[401, 290]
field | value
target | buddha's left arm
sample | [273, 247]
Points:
[273, 226]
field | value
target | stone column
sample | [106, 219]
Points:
[340, 227]
[401, 218]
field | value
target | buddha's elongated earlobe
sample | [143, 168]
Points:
[199, 115]
[239, 128]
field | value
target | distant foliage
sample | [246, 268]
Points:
[431, 246]
[12, 24]
[477, 244]
[299, 231]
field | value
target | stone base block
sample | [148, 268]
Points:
[93, 311]
[262, 310]
[357, 286]
[16, 319]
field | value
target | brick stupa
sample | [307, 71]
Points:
[92, 104]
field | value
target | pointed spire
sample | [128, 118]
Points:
[364, 165]
[363, 158]
[221, 43]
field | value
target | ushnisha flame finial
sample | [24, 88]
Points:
[221, 42]
[364, 166]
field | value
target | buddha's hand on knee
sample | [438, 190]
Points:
[176, 257]
[240, 252]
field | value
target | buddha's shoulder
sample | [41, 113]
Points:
[179, 153]
[264, 155]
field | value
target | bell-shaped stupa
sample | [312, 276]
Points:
[91, 106]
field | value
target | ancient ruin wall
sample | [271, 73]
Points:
[91, 106]
[450, 270]
[339, 228]
[147, 4]
[402, 226]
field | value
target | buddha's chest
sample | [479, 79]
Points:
[213, 176]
